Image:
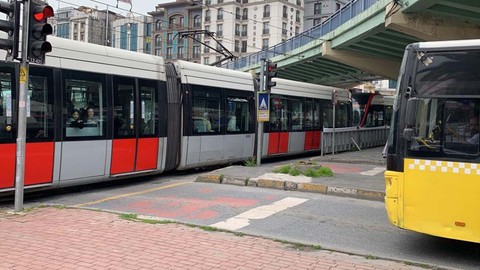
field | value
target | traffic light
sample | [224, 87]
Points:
[271, 72]
[38, 30]
[11, 25]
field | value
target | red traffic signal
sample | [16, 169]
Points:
[42, 12]
[39, 29]
[271, 73]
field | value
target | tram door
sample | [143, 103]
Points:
[39, 152]
[278, 135]
[135, 138]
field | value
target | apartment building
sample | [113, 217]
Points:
[170, 21]
[317, 11]
[133, 33]
[84, 24]
[247, 26]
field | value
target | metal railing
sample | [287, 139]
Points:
[351, 137]
[346, 13]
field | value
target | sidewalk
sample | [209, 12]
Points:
[52, 238]
[346, 184]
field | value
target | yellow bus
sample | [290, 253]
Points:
[433, 171]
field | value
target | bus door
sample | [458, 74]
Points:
[135, 137]
[278, 131]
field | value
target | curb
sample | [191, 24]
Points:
[293, 186]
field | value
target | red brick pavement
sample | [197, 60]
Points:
[51, 238]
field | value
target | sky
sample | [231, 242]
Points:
[138, 6]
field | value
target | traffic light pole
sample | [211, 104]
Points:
[22, 113]
[260, 124]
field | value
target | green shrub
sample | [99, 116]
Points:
[324, 171]
[294, 171]
[251, 162]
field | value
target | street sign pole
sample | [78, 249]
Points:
[260, 124]
[22, 113]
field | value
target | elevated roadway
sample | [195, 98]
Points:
[365, 40]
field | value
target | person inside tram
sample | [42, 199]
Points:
[474, 130]
[232, 122]
[74, 120]
[91, 119]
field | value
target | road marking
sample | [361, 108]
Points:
[374, 171]
[131, 194]
[260, 212]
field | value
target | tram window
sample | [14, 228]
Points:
[238, 115]
[6, 108]
[327, 114]
[149, 109]
[278, 113]
[297, 114]
[317, 121]
[124, 109]
[207, 112]
[85, 106]
[309, 112]
[40, 109]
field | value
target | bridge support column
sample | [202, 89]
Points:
[369, 63]
[426, 27]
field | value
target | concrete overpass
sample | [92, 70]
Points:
[365, 40]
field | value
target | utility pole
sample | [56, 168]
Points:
[259, 123]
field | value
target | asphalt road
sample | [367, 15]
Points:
[337, 223]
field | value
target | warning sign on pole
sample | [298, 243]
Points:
[263, 107]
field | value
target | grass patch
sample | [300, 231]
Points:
[128, 216]
[283, 169]
[370, 257]
[310, 172]
[251, 162]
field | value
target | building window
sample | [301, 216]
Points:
[169, 53]
[285, 13]
[220, 1]
[284, 28]
[208, 2]
[237, 46]
[206, 49]
[237, 13]
[317, 8]
[196, 21]
[338, 6]
[219, 30]
[180, 52]
[170, 38]
[245, 1]
[266, 28]
[196, 51]
[299, 3]
[158, 51]
[158, 25]
[123, 37]
[172, 23]
[237, 29]
[206, 60]
[297, 30]
[264, 44]
[266, 11]
[244, 30]
[245, 14]
[220, 14]
[207, 15]
[158, 41]
[244, 46]
[133, 37]
[148, 29]
[297, 16]
[182, 22]
[316, 21]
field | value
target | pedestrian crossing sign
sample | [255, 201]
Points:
[263, 107]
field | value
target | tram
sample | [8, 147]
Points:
[433, 149]
[97, 113]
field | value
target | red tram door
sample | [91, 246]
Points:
[40, 146]
[278, 135]
[135, 138]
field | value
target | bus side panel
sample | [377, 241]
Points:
[441, 198]
[7, 165]
[147, 154]
[39, 163]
